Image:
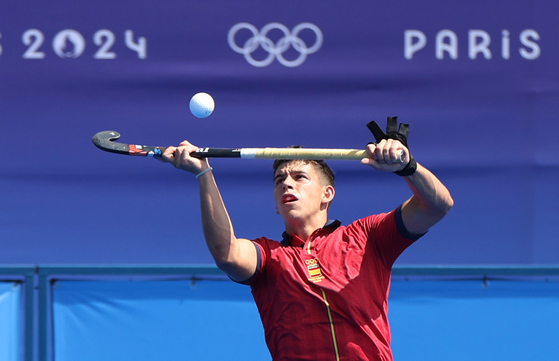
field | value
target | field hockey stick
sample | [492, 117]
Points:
[106, 141]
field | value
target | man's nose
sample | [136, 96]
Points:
[288, 183]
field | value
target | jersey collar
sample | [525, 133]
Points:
[288, 239]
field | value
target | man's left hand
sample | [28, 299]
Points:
[384, 155]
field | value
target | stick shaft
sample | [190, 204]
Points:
[303, 153]
[106, 141]
[285, 153]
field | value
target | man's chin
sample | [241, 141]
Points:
[289, 214]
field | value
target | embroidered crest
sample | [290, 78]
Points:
[315, 273]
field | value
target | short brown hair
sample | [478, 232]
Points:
[325, 173]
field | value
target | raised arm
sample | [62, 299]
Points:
[431, 200]
[235, 256]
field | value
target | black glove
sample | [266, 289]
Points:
[398, 133]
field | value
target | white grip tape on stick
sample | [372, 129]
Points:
[303, 153]
[306, 153]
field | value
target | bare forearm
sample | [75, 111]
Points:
[218, 230]
[430, 202]
[235, 256]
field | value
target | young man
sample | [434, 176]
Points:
[322, 291]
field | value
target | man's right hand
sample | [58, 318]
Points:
[181, 159]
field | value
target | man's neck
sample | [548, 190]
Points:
[304, 230]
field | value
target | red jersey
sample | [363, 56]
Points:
[325, 298]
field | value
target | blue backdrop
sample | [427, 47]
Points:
[155, 320]
[211, 320]
[476, 80]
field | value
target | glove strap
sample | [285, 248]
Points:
[409, 169]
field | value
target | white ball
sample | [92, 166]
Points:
[202, 105]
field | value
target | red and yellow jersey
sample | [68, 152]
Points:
[326, 298]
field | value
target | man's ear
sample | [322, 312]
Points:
[329, 193]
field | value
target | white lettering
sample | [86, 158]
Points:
[525, 40]
[409, 46]
[70, 43]
[34, 39]
[104, 46]
[475, 47]
[505, 44]
[479, 41]
[140, 47]
[451, 47]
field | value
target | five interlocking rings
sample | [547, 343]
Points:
[275, 51]
[311, 262]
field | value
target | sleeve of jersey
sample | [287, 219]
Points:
[261, 258]
[389, 235]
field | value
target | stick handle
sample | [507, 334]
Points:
[284, 153]
[308, 153]
[302, 153]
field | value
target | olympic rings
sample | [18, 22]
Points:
[275, 51]
[311, 262]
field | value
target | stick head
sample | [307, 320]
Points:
[106, 141]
